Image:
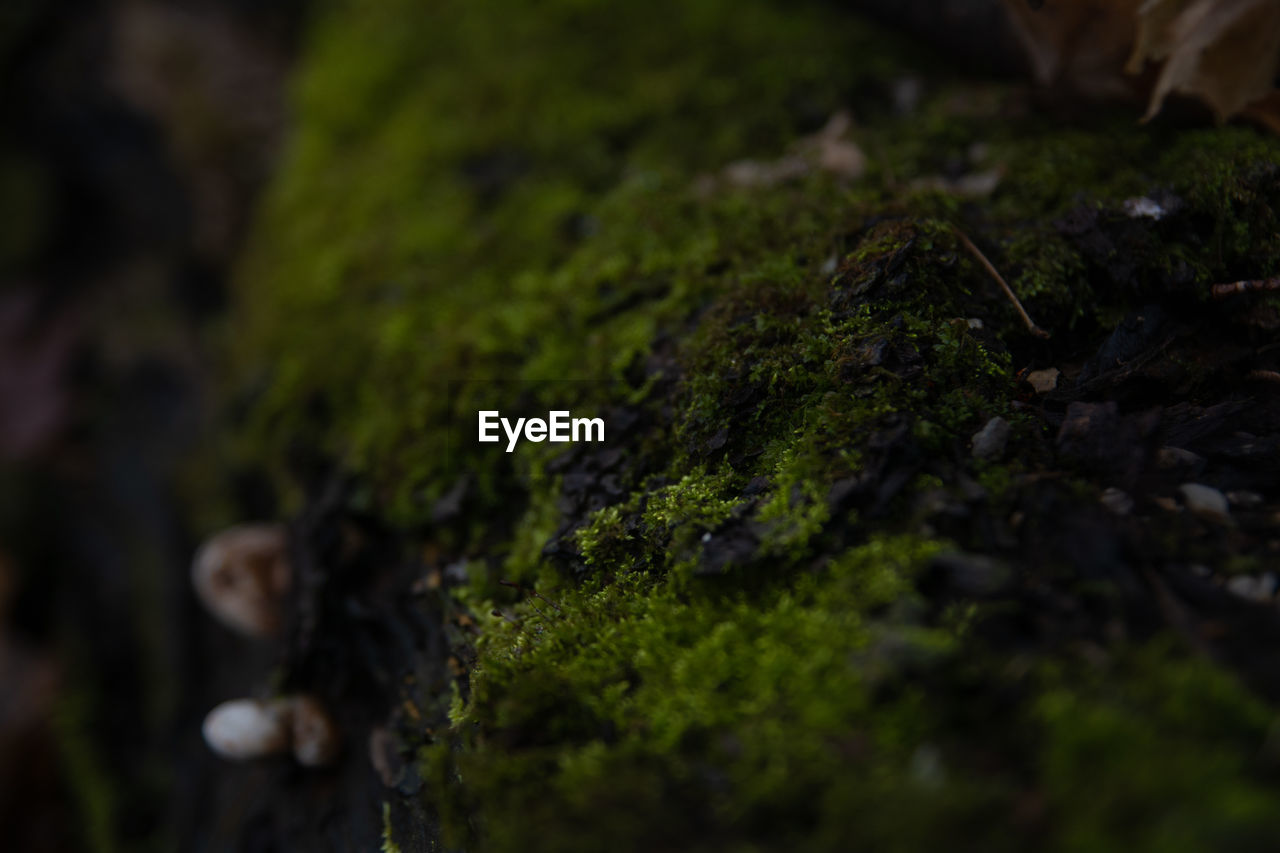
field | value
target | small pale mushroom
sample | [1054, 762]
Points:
[247, 729]
[244, 729]
[242, 576]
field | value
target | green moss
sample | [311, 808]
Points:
[603, 538]
[639, 689]
[1123, 745]
[389, 844]
[497, 196]
[90, 784]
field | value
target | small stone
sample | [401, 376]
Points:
[1143, 207]
[1044, 381]
[1244, 500]
[1206, 502]
[1180, 460]
[1117, 500]
[989, 442]
[1247, 587]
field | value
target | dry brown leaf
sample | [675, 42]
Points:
[1226, 53]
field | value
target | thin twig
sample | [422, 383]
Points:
[1222, 291]
[1008, 291]
[1263, 375]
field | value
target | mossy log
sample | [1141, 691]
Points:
[787, 604]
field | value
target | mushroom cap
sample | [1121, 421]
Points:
[244, 729]
[242, 575]
[316, 741]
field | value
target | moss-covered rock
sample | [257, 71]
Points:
[785, 608]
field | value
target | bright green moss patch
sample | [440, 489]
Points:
[636, 689]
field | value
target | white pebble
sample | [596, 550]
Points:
[1206, 502]
[1117, 500]
[1247, 587]
[989, 442]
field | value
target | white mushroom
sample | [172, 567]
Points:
[244, 729]
[242, 576]
[315, 735]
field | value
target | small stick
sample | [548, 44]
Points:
[1008, 291]
[1264, 375]
[1222, 291]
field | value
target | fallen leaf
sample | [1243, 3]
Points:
[1225, 53]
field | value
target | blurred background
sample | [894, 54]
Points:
[135, 139]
